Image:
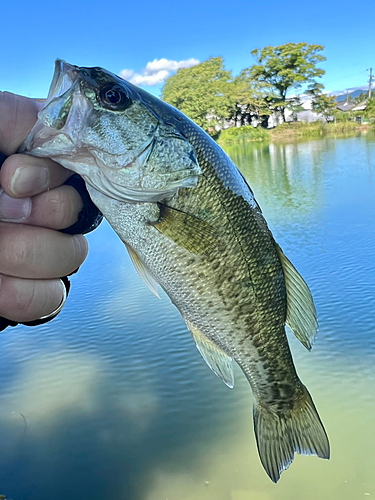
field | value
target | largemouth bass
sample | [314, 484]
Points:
[192, 225]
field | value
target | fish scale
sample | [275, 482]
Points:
[192, 225]
[266, 298]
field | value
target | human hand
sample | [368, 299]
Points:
[34, 206]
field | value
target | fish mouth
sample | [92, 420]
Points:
[61, 133]
[49, 132]
[63, 79]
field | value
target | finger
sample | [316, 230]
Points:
[18, 115]
[56, 209]
[39, 253]
[24, 175]
[28, 300]
[14, 209]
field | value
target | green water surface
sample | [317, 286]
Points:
[112, 400]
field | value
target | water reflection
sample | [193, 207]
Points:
[112, 400]
[287, 176]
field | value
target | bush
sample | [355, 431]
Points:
[370, 109]
[340, 116]
[318, 128]
[292, 126]
[243, 134]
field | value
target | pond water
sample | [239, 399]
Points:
[112, 400]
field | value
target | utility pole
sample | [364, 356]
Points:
[370, 83]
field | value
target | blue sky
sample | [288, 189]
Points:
[122, 35]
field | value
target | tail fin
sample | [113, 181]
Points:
[279, 433]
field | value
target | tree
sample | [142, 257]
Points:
[285, 68]
[294, 105]
[249, 101]
[370, 108]
[361, 97]
[201, 92]
[322, 103]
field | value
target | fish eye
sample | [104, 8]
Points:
[114, 97]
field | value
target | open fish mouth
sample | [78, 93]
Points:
[50, 133]
[95, 124]
[63, 79]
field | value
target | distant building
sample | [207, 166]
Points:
[360, 107]
[345, 106]
[351, 106]
[307, 115]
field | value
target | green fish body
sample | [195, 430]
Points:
[192, 225]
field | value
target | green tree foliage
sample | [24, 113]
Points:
[285, 68]
[361, 97]
[249, 99]
[200, 92]
[294, 105]
[322, 103]
[370, 108]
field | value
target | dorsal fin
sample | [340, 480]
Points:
[142, 270]
[301, 313]
[219, 362]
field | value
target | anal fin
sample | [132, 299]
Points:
[219, 362]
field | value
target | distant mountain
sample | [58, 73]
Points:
[342, 95]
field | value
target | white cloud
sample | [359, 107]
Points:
[126, 74]
[156, 71]
[150, 80]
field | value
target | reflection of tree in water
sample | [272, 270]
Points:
[118, 402]
[287, 178]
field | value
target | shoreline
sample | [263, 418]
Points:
[290, 130]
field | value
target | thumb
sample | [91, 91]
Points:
[18, 116]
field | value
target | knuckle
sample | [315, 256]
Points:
[23, 302]
[16, 252]
[16, 301]
[64, 207]
[20, 252]
[6, 104]
[80, 248]
[28, 300]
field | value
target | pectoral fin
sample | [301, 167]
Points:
[142, 270]
[301, 313]
[186, 230]
[219, 362]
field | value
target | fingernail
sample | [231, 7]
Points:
[14, 209]
[29, 180]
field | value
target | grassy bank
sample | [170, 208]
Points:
[243, 134]
[315, 129]
[287, 130]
